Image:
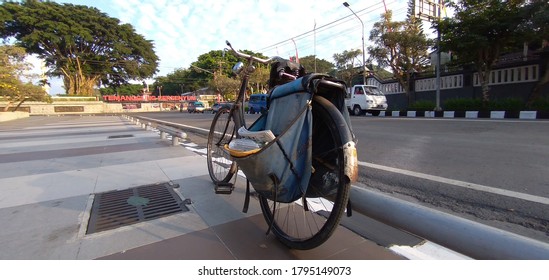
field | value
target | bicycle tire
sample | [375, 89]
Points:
[292, 224]
[220, 166]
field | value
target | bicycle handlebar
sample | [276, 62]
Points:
[281, 73]
[247, 56]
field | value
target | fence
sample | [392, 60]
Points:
[511, 80]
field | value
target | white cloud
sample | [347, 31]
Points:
[184, 29]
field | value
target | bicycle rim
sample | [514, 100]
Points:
[307, 227]
[220, 165]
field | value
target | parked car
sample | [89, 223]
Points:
[217, 106]
[257, 103]
[195, 107]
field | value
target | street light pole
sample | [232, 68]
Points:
[363, 52]
[437, 107]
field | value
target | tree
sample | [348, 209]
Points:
[480, 32]
[536, 29]
[218, 65]
[127, 89]
[401, 46]
[226, 86]
[13, 70]
[213, 69]
[345, 64]
[178, 82]
[322, 65]
[259, 79]
[78, 43]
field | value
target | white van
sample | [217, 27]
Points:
[365, 98]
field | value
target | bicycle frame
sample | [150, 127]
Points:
[237, 112]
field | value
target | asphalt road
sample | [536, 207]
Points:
[491, 171]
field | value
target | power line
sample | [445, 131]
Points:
[308, 33]
[308, 45]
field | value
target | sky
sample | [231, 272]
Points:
[182, 30]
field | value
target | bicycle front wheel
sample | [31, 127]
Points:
[307, 227]
[220, 165]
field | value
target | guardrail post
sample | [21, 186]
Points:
[175, 140]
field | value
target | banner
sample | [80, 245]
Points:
[147, 98]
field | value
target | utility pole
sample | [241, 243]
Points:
[159, 96]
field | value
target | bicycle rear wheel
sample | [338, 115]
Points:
[307, 227]
[220, 165]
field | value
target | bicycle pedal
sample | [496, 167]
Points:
[224, 188]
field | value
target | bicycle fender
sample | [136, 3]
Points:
[351, 161]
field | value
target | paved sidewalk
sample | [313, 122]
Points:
[52, 168]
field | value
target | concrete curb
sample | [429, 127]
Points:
[525, 115]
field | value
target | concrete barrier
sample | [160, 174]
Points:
[9, 116]
[174, 132]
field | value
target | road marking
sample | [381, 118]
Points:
[458, 183]
[439, 179]
[537, 121]
[427, 251]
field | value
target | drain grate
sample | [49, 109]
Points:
[115, 209]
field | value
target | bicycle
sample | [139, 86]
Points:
[323, 163]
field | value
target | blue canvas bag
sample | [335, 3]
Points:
[281, 169]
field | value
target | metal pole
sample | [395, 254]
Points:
[470, 238]
[315, 43]
[160, 97]
[438, 108]
[363, 52]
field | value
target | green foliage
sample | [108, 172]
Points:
[472, 37]
[177, 82]
[79, 43]
[540, 104]
[322, 65]
[509, 104]
[74, 98]
[422, 105]
[212, 69]
[400, 45]
[128, 89]
[226, 86]
[463, 104]
[481, 31]
[15, 87]
[345, 64]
